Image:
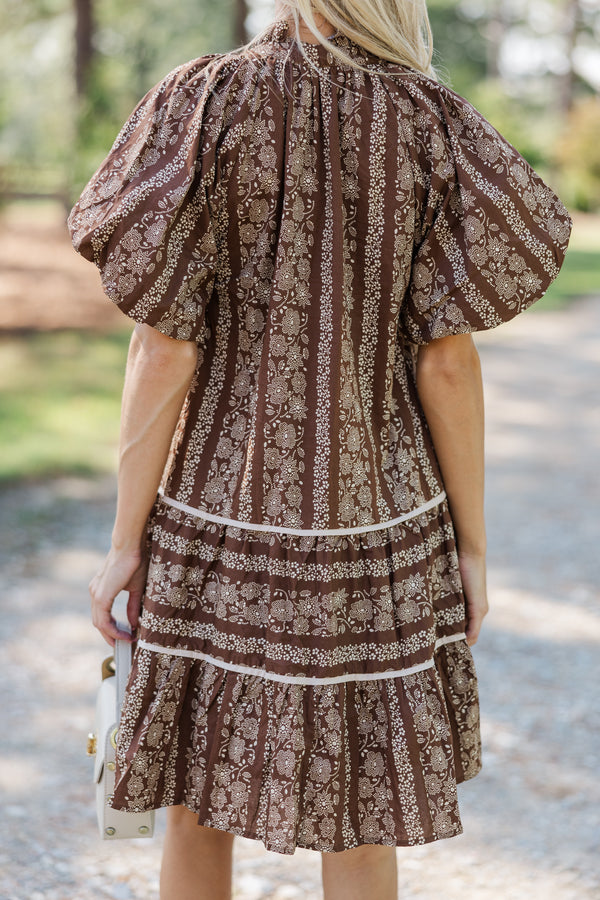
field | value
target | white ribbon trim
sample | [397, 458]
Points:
[280, 529]
[299, 679]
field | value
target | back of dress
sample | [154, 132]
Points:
[302, 674]
[308, 227]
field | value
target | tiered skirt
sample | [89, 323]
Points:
[303, 690]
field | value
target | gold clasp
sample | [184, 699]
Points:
[108, 667]
[92, 743]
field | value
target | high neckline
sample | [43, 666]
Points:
[280, 32]
[287, 33]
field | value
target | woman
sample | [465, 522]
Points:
[306, 231]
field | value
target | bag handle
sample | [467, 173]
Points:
[122, 667]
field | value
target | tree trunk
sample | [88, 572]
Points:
[571, 19]
[240, 13]
[84, 44]
[494, 32]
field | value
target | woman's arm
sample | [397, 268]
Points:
[157, 378]
[451, 393]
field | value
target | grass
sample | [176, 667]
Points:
[60, 396]
[60, 392]
[580, 274]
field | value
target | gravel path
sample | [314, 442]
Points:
[531, 819]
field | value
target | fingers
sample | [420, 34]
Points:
[134, 605]
[473, 629]
[476, 613]
[120, 572]
[110, 632]
[102, 617]
[473, 576]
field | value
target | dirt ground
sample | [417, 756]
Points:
[44, 284]
[531, 818]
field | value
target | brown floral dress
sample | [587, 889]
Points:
[302, 675]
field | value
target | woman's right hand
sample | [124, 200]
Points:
[121, 571]
[473, 574]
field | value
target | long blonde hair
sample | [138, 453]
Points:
[395, 30]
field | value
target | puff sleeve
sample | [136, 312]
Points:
[490, 235]
[145, 217]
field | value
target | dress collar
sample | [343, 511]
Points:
[280, 32]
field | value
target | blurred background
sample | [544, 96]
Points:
[71, 71]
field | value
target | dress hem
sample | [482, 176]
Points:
[268, 845]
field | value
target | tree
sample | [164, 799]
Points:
[571, 19]
[84, 44]
[240, 14]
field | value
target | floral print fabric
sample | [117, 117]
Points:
[309, 227]
[307, 691]
[302, 674]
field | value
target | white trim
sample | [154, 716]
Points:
[449, 639]
[299, 679]
[280, 529]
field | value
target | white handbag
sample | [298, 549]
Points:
[113, 823]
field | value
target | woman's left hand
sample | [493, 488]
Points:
[121, 571]
[473, 576]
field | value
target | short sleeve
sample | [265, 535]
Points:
[145, 217]
[490, 235]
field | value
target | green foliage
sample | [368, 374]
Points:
[51, 141]
[459, 46]
[138, 44]
[579, 277]
[43, 127]
[512, 118]
[578, 155]
[59, 403]
[35, 113]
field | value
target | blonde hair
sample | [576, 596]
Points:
[395, 30]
